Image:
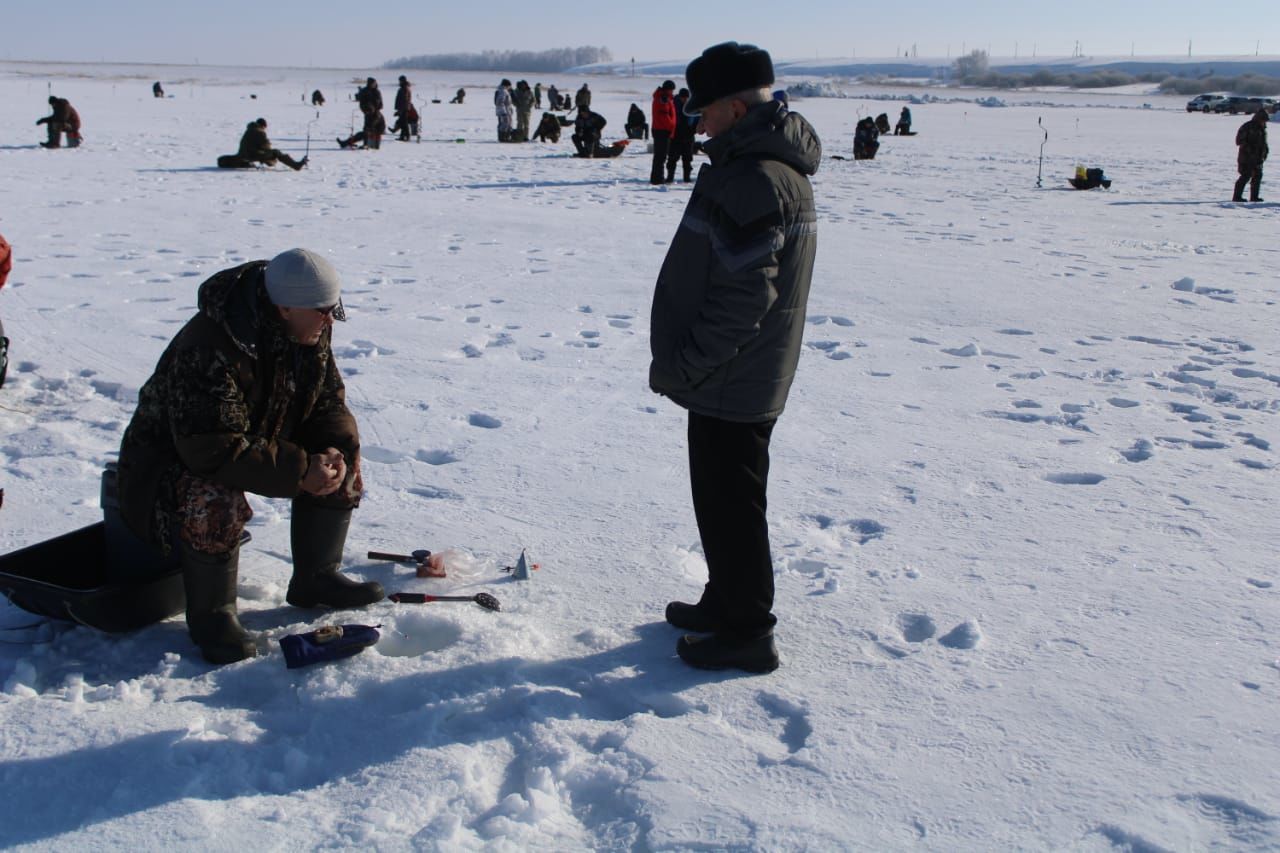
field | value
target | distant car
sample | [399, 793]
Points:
[1204, 103]
[1235, 104]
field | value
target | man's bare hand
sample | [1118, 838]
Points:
[325, 472]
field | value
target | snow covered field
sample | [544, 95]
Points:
[1023, 504]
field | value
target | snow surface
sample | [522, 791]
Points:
[1023, 504]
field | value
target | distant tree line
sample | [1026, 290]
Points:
[559, 59]
[974, 69]
[1245, 84]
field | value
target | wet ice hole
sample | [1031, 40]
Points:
[417, 634]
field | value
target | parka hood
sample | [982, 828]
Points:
[236, 299]
[770, 131]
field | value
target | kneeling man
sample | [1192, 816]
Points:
[247, 398]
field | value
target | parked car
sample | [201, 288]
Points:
[1236, 104]
[1204, 103]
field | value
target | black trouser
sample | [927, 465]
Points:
[729, 473]
[661, 144]
[1251, 175]
[586, 143]
[236, 161]
[681, 149]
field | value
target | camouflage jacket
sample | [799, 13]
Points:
[234, 401]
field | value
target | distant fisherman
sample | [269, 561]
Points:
[255, 147]
[63, 118]
[1252, 139]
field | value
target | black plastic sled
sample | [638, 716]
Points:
[102, 576]
[603, 152]
[66, 578]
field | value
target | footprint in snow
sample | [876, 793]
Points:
[865, 530]
[436, 457]
[1070, 479]
[1140, 452]
[916, 627]
[966, 635]
[796, 727]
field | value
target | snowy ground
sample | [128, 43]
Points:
[1023, 503]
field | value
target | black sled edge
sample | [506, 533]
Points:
[65, 578]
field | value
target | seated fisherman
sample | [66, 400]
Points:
[247, 398]
[548, 129]
[637, 127]
[586, 131]
[255, 147]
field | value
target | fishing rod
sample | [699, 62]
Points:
[313, 121]
[1040, 174]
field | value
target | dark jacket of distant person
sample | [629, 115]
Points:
[369, 97]
[255, 144]
[63, 114]
[404, 97]
[1252, 139]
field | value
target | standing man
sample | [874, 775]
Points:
[6, 264]
[247, 398]
[523, 101]
[369, 97]
[727, 322]
[502, 107]
[1252, 139]
[662, 126]
[582, 100]
[682, 140]
[537, 95]
[406, 115]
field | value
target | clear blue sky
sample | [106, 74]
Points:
[362, 34]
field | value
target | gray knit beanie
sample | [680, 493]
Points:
[300, 278]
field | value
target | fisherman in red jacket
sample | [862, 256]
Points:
[662, 127]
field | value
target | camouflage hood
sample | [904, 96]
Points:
[236, 300]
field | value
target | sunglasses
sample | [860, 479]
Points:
[335, 311]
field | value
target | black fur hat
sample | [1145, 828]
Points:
[724, 69]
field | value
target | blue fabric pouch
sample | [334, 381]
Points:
[332, 642]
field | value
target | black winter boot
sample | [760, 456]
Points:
[317, 535]
[212, 621]
[691, 617]
[725, 651]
